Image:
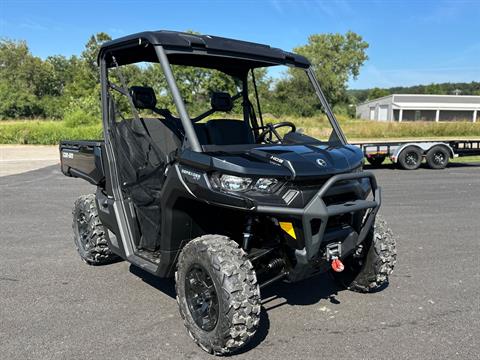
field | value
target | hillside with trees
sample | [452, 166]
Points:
[60, 87]
[68, 88]
[472, 88]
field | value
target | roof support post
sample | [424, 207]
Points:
[400, 116]
[177, 99]
[474, 116]
[437, 115]
[326, 107]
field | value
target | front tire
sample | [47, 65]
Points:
[217, 294]
[89, 233]
[370, 272]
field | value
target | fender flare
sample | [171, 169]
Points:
[423, 146]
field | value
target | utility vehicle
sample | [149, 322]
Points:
[223, 201]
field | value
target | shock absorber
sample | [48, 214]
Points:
[276, 264]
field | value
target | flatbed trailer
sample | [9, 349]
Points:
[409, 154]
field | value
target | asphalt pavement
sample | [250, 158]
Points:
[16, 159]
[53, 306]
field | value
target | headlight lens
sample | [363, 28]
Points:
[265, 184]
[358, 168]
[240, 184]
[234, 183]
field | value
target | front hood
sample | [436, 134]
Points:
[295, 161]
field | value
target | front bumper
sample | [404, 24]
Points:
[316, 209]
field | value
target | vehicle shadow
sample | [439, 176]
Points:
[457, 165]
[383, 166]
[306, 292]
[165, 285]
[422, 166]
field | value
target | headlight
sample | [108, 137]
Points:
[265, 184]
[358, 168]
[240, 184]
[234, 183]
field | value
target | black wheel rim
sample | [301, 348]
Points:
[439, 158]
[411, 158]
[201, 297]
[83, 231]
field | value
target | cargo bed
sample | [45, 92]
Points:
[83, 159]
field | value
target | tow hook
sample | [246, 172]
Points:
[337, 265]
[333, 252]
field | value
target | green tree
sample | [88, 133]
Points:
[435, 89]
[60, 86]
[82, 92]
[22, 78]
[376, 93]
[90, 53]
[335, 59]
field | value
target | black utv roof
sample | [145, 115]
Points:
[200, 50]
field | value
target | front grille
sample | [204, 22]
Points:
[340, 220]
[340, 198]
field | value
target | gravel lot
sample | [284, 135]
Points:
[53, 306]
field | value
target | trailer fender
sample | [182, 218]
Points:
[423, 146]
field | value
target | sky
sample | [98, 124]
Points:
[411, 42]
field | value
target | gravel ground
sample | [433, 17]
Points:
[53, 306]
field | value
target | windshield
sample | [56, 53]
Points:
[276, 94]
[255, 107]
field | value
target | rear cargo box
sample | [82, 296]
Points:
[83, 159]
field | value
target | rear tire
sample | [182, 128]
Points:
[217, 294]
[370, 272]
[89, 233]
[410, 158]
[438, 157]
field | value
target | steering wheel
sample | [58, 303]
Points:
[270, 131]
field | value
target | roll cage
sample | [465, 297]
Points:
[232, 57]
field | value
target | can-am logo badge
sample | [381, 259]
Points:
[67, 155]
[321, 162]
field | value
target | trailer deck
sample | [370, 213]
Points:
[409, 154]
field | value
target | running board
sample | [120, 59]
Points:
[143, 263]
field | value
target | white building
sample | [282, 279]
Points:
[405, 107]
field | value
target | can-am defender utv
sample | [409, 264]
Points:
[227, 205]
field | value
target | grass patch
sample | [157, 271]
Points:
[466, 159]
[356, 130]
[45, 132]
[48, 132]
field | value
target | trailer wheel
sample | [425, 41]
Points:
[410, 158]
[438, 157]
[217, 294]
[376, 160]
